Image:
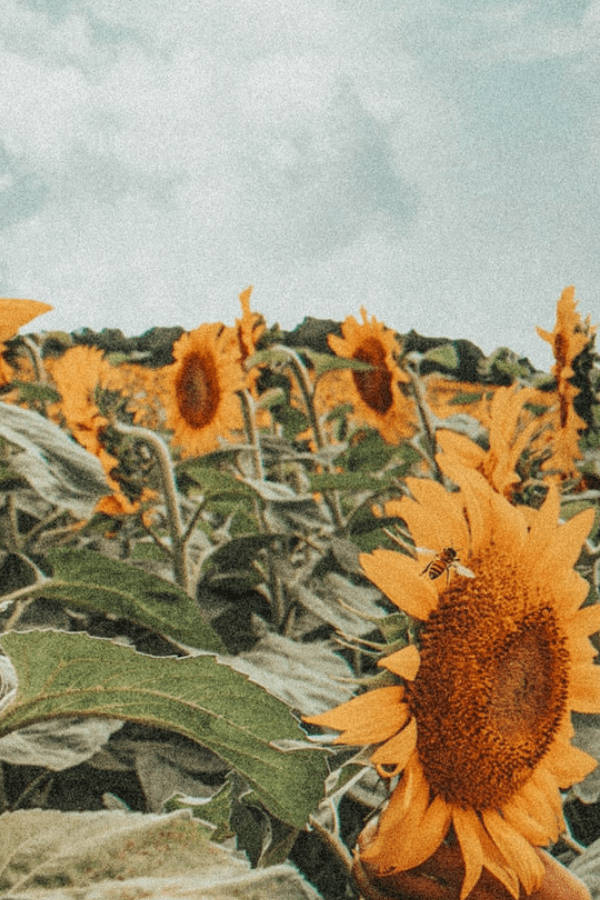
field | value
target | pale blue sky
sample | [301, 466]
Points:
[436, 161]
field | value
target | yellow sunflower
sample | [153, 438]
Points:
[13, 315]
[512, 430]
[568, 339]
[479, 729]
[199, 389]
[374, 393]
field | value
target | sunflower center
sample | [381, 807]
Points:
[197, 390]
[490, 693]
[374, 385]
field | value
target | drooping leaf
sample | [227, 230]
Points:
[70, 674]
[89, 580]
[119, 855]
[57, 744]
[61, 471]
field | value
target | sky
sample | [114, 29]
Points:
[436, 162]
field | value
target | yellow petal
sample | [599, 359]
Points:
[584, 688]
[588, 619]
[370, 718]
[398, 577]
[396, 752]
[515, 849]
[569, 764]
[525, 824]
[16, 313]
[466, 827]
[404, 663]
[445, 522]
[493, 860]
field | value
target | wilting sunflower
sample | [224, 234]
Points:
[479, 729]
[374, 393]
[199, 390]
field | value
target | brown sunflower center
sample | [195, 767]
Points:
[490, 692]
[374, 385]
[197, 389]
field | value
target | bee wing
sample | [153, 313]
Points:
[462, 570]
[425, 550]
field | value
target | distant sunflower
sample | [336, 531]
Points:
[14, 313]
[479, 729]
[570, 336]
[199, 390]
[374, 393]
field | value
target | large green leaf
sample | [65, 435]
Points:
[70, 674]
[89, 580]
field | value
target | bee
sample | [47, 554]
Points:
[442, 562]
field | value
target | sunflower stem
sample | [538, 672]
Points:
[278, 606]
[333, 842]
[36, 359]
[331, 497]
[426, 423]
[165, 464]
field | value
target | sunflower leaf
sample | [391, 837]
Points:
[65, 674]
[89, 580]
[57, 468]
[327, 362]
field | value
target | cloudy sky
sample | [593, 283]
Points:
[436, 161]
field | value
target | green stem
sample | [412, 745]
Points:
[331, 497]
[426, 423]
[163, 457]
[275, 588]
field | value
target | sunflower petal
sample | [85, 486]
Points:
[396, 752]
[404, 663]
[515, 848]
[569, 764]
[584, 688]
[398, 577]
[370, 718]
[466, 830]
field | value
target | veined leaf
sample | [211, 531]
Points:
[57, 468]
[69, 674]
[89, 580]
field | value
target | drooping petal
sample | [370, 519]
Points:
[370, 718]
[569, 764]
[404, 662]
[398, 577]
[465, 825]
[517, 816]
[516, 849]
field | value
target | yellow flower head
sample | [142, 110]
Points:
[374, 393]
[568, 339]
[479, 728]
[199, 388]
[512, 429]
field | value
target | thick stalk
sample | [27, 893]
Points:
[426, 423]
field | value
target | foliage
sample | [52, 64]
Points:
[168, 617]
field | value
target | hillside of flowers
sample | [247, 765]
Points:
[307, 614]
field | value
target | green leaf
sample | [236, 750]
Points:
[89, 580]
[327, 362]
[118, 855]
[57, 468]
[69, 674]
[348, 481]
[445, 355]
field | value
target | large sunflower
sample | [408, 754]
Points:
[479, 729]
[375, 393]
[199, 389]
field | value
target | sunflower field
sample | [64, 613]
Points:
[308, 614]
